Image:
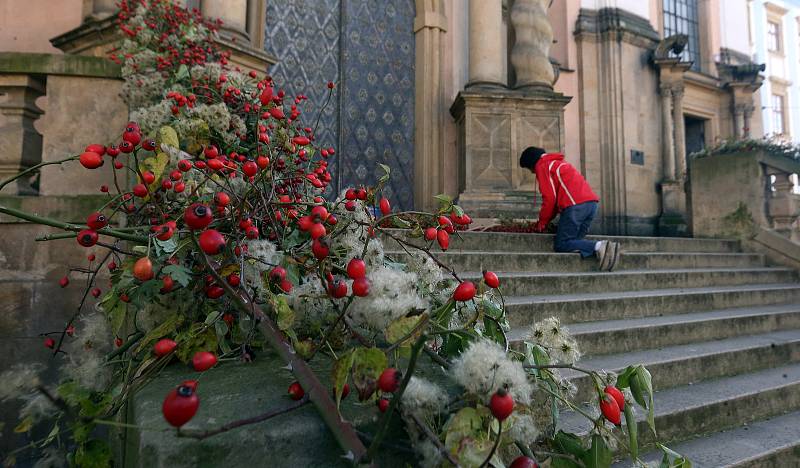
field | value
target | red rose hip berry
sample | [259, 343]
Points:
[90, 160]
[296, 391]
[616, 395]
[197, 216]
[464, 292]
[491, 279]
[203, 361]
[524, 462]
[389, 380]
[501, 404]
[164, 346]
[181, 404]
[610, 409]
[356, 268]
[211, 241]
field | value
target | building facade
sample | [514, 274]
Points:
[775, 40]
[448, 92]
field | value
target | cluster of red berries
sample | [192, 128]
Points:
[612, 403]
[446, 226]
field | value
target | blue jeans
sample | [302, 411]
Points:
[572, 228]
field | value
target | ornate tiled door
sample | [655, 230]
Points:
[368, 47]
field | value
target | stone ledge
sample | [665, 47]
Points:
[616, 21]
[234, 391]
[52, 64]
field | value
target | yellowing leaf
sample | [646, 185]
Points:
[232, 268]
[283, 313]
[341, 369]
[24, 426]
[167, 136]
[400, 329]
[156, 165]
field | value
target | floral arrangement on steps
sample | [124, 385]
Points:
[777, 147]
[225, 244]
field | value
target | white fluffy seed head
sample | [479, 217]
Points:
[484, 367]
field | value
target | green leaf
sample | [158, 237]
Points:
[368, 363]
[167, 246]
[179, 274]
[561, 462]
[459, 211]
[341, 369]
[673, 459]
[221, 328]
[283, 313]
[182, 73]
[598, 456]
[569, 443]
[167, 327]
[644, 385]
[93, 454]
[633, 431]
[212, 317]
[25, 425]
[623, 380]
[467, 422]
[445, 200]
[115, 309]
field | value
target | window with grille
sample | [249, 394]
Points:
[680, 17]
[773, 36]
[777, 115]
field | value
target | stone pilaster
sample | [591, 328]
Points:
[530, 54]
[680, 131]
[430, 26]
[20, 143]
[668, 155]
[486, 51]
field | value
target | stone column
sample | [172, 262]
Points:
[20, 143]
[531, 52]
[666, 127]
[680, 132]
[233, 14]
[486, 52]
[430, 26]
[738, 122]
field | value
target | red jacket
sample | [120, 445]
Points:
[561, 185]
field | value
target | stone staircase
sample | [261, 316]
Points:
[718, 328]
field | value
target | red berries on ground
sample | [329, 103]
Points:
[610, 409]
[87, 237]
[616, 395]
[212, 242]
[143, 269]
[501, 405]
[296, 391]
[90, 160]
[164, 346]
[389, 380]
[356, 268]
[49, 343]
[464, 291]
[203, 361]
[491, 279]
[181, 404]
[197, 216]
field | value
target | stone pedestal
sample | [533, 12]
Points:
[494, 127]
[673, 222]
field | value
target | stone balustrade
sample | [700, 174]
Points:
[750, 195]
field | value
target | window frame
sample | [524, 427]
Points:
[778, 105]
[774, 38]
[683, 17]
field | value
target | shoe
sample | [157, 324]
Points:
[614, 256]
[603, 255]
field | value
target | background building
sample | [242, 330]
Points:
[775, 40]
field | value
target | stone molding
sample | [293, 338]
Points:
[58, 64]
[616, 23]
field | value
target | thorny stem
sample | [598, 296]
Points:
[200, 435]
[34, 168]
[68, 226]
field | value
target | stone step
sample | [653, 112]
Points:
[574, 308]
[713, 405]
[571, 262]
[514, 242]
[619, 336]
[768, 443]
[685, 364]
[524, 283]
